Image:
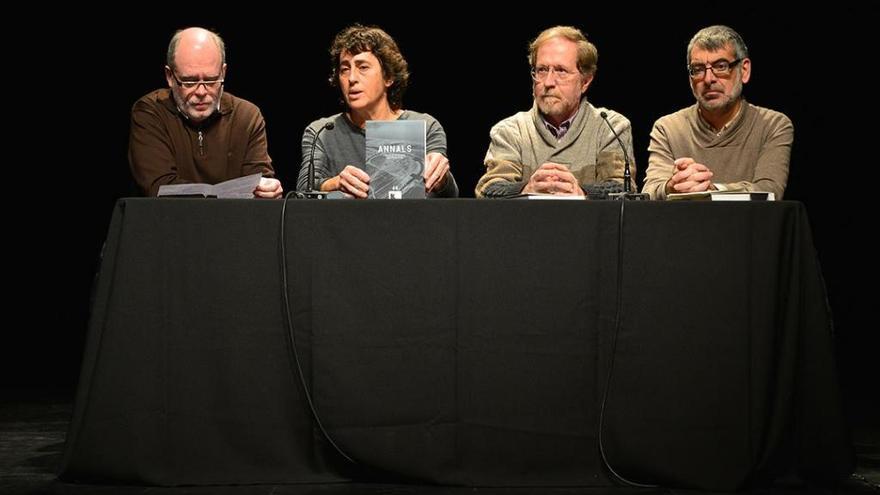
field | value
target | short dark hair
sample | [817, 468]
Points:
[714, 38]
[357, 39]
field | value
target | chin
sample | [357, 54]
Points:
[714, 104]
[198, 116]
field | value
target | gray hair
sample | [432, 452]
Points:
[714, 38]
[175, 40]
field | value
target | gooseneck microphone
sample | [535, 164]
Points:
[311, 172]
[626, 173]
[310, 192]
[627, 177]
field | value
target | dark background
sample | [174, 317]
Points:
[71, 83]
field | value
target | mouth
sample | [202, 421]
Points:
[713, 91]
[201, 106]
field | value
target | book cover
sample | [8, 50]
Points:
[240, 187]
[724, 196]
[395, 158]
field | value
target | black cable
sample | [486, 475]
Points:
[613, 352]
[291, 339]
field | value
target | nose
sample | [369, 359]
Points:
[709, 76]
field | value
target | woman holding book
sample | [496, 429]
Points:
[372, 76]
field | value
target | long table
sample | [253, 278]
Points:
[464, 342]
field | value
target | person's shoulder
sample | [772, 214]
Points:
[677, 117]
[230, 102]
[768, 115]
[155, 99]
[337, 120]
[613, 116]
[513, 122]
[413, 115]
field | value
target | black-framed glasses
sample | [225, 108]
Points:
[213, 83]
[541, 73]
[719, 68]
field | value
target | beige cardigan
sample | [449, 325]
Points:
[521, 143]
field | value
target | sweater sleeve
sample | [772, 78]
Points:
[150, 154]
[771, 170]
[660, 163]
[256, 156]
[503, 162]
[435, 142]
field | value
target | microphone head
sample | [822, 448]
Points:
[603, 114]
[329, 126]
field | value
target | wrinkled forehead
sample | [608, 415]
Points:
[557, 51]
[198, 58]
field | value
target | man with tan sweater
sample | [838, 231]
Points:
[722, 142]
[562, 145]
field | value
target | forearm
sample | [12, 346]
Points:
[502, 179]
[151, 167]
[449, 189]
[661, 167]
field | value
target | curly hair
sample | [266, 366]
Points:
[357, 39]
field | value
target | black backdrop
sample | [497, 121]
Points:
[72, 82]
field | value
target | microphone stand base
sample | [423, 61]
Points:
[628, 196]
[320, 195]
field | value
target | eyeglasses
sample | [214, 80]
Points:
[719, 68]
[541, 73]
[210, 84]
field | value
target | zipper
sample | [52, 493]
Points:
[201, 144]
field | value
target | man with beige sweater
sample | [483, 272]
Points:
[562, 145]
[722, 142]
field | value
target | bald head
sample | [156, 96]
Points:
[195, 72]
[196, 45]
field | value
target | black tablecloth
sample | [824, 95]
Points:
[459, 342]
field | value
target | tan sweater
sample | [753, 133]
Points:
[751, 154]
[521, 143]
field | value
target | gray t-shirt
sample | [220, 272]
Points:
[345, 144]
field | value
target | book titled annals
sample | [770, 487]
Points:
[395, 159]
